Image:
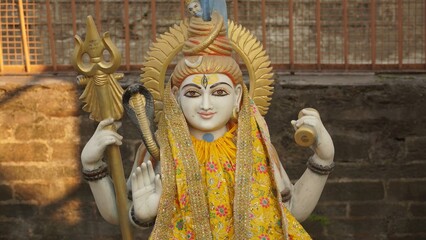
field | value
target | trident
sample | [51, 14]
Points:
[102, 97]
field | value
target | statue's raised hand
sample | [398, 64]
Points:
[93, 151]
[323, 145]
[146, 189]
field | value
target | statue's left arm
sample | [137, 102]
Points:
[306, 192]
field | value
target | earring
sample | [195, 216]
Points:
[235, 111]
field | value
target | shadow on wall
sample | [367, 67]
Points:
[39, 174]
[42, 195]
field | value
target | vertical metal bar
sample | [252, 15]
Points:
[182, 9]
[318, 28]
[98, 15]
[8, 35]
[235, 11]
[1, 54]
[400, 33]
[373, 33]
[139, 59]
[235, 3]
[51, 36]
[291, 33]
[345, 33]
[153, 20]
[127, 33]
[1, 45]
[264, 23]
[424, 33]
[74, 17]
[24, 36]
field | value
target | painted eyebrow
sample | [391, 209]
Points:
[191, 85]
[219, 83]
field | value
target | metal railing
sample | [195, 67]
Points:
[303, 35]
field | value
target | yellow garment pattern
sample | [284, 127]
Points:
[217, 161]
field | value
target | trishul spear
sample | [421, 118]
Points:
[102, 96]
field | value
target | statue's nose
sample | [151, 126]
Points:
[206, 102]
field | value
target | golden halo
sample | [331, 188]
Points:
[169, 44]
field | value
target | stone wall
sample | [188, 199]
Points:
[377, 191]
[378, 188]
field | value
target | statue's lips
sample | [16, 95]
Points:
[206, 115]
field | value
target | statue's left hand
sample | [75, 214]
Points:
[147, 189]
[323, 145]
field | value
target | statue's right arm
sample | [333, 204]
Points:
[145, 183]
[103, 192]
[91, 159]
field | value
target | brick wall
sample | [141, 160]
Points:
[378, 189]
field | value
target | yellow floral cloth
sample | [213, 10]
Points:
[217, 161]
[220, 190]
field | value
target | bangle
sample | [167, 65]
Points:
[318, 168]
[139, 223]
[96, 174]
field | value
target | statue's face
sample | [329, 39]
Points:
[195, 9]
[207, 100]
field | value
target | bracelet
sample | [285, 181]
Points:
[318, 168]
[96, 174]
[139, 223]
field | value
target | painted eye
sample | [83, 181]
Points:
[220, 93]
[192, 94]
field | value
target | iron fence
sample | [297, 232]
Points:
[321, 35]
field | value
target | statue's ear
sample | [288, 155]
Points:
[238, 95]
[175, 92]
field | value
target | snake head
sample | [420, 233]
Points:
[139, 105]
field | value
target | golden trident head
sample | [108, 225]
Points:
[94, 47]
